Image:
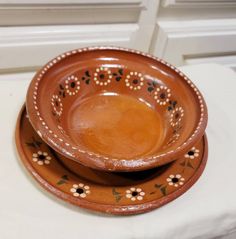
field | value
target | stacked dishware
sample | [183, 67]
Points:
[113, 130]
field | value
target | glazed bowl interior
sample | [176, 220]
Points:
[114, 105]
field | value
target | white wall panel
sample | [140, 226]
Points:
[226, 60]
[177, 41]
[27, 47]
[16, 13]
[198, 3]
[180, 31]
[32, 32]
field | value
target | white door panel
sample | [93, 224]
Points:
[180, 41]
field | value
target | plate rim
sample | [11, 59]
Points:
[106, 208]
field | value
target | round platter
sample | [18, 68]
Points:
[115, 193]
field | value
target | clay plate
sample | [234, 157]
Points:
[115, 109]
[115, 193]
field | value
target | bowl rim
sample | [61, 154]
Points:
[95, 160]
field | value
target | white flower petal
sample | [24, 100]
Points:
[35, 159]
[40, 152]
[171, 176]
[168, 180]
[181, 183]
[40, 162]
[81, 185]
[87, 192]
[86, 187]
[138, 190]
[128, 191]
[142, 193]
[176, 185]
[73, 190]
[178, 176]
[35, 155]
[132, 189]
[133, 198]
[171, 183]
[83, 195]
[182, 179]
[48, 158]
[46, 162]
[45, 153]
[75, 186]
[76, 194]
[128, 195]
[140, 198]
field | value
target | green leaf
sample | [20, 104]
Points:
[30, 144]
[65, 177]
[61, 87]
[116, 195]
[120, 71]
[35, 143]
[190, 165]
[60, 182]
[150, 89]
[87, 73]
[114, 192]
[154, 84]
[163, 190]
[174, 103]
[118, 198]
[118, 78]
[63, 180]
[87, 81]
[114, 74]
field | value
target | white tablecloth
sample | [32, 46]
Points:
[207, 210]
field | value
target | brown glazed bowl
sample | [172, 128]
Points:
[115, 109]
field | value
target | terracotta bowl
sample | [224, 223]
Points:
[115, 109]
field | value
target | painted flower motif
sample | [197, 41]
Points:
[135, 194]
[175, 180]
[41, 158]
[192, 153]
[72, 85]
[57, 105]
[176, 116]
[162, 95]
[102, 76]
[80, 190]
[134, 80]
